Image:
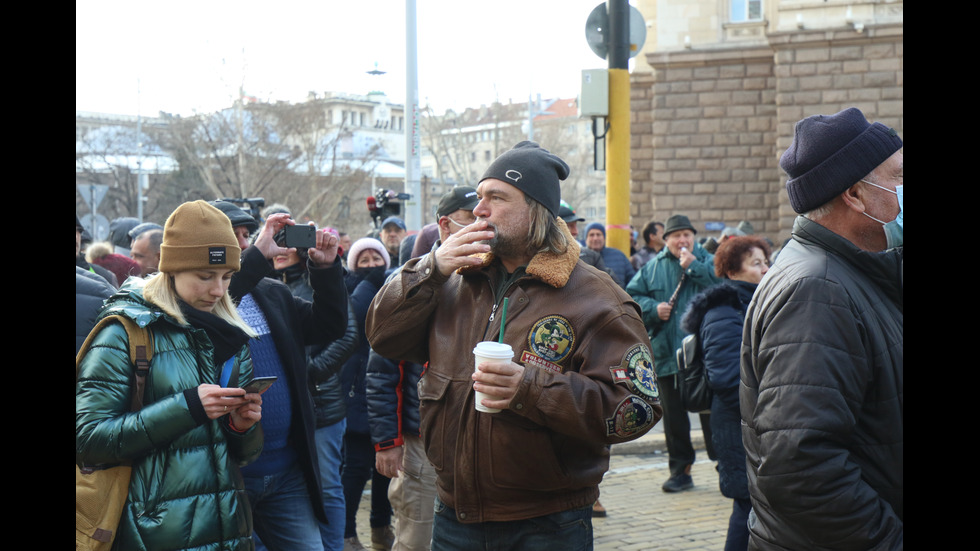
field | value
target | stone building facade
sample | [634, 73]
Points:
[709, 120]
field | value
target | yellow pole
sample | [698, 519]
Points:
[618, 162]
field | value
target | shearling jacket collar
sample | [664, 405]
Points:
[547, 267]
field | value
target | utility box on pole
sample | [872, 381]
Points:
[594, 101]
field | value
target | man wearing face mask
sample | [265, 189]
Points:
[822, 388]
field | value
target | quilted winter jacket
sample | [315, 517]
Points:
[588, 380]
[822, 396]
[392, 400]
[186, 491]
[90, 293]
[619, 263]
[325, 366]
[717, 315]
[363, 285]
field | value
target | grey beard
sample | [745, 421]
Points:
[507, 247]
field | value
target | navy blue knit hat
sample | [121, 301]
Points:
[533, 170]
[596, 226]
[830, 153]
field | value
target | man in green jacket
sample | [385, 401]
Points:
[663, 288]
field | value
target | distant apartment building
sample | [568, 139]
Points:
[458, 147]
[113, 153]
[323, 157]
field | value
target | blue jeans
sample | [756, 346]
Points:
[738, 526]
[329, 447]
[282, 512]
[564, 531]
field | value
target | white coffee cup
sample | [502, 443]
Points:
[487, 351]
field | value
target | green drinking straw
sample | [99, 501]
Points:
[503, 320]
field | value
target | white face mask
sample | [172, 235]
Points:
[894, 230]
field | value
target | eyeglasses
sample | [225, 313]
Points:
[457, 223]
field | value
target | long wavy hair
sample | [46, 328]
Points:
[545, 234]
[161, 291]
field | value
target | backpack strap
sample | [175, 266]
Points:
[140, 353]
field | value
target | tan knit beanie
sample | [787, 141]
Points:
[198, 236]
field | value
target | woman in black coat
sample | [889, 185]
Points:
[716, 315]
[368, 260]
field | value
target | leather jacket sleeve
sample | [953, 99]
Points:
[328, 361]
[397, 321]
[580, 402]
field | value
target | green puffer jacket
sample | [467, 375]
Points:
[186, 491]
[655, 283]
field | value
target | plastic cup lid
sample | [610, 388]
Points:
[494, 349]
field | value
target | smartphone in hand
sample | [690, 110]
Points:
[299, 236]
[259, 385]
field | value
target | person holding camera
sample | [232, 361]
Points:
[283, 484]
[324, 367]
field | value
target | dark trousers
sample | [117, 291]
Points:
[677, 427]
[358, 469]
[738, 526]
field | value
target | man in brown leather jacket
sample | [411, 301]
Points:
[581, 377]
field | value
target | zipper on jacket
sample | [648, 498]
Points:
[497, 301]
[493, 313]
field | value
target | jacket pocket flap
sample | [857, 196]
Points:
[433, 387]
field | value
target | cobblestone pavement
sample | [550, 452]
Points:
[641, 517]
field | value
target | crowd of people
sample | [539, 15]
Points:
[370, 343]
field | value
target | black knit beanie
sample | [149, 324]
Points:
[533, 170]
[237, 215]
[830, 153]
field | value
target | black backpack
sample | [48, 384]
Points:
[692, 377]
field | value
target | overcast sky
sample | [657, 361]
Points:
[192, 56]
